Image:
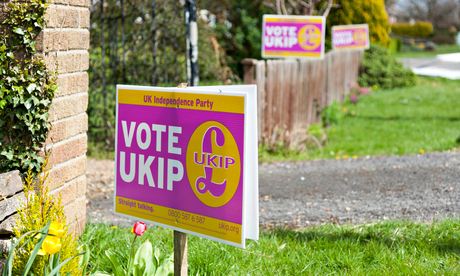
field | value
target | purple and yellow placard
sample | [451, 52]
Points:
[350, 37]
[180, 160]
[288, 36]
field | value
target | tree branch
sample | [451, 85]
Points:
[329, 5]
[283, 7]
[278, 6]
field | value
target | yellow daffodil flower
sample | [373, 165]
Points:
[56, 229]
[51, 245]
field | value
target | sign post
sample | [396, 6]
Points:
[180, 253]
[191, 42]
[186, 159]
[289, 36]
[180, 242]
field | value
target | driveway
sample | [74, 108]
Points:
[446, 66]
[299, 194]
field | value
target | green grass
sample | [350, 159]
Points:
[100, 151]
[386, 248]
[441, 49]
[423, 118]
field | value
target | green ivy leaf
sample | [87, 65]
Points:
[7, 154]
[31, 87]
[18, 31]
[2, 104]
[26, 88]
[28, 104]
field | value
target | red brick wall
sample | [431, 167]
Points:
[64, 44]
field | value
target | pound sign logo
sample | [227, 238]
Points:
[213, 164]
[309, 37]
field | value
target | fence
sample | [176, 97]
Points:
[292, 93]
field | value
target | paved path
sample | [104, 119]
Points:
[300, 194]
[446, 66]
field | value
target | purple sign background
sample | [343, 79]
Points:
[339, 33]
[182, 197]
[296, 47]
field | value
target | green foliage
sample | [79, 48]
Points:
[381, 69]
[44, 240]
[212, 61]
[101, 118]
[395, 46]
[420, 29]
[409, 52]
[149, 50]
[384, 248]
[146, 261]
[26, 88]
[404, 121]
[371, 12]
[239, 29]
[112, 251]
[35, 213]
[331, 114]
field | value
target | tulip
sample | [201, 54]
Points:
[353, 98]
[364, 90]
[139, 228]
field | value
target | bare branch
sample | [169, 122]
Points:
[278, 6]
[329, 5]
[283, 7]
[269, 4]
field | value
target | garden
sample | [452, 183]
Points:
[389, 111]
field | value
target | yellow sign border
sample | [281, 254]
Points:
[229, 231]
[221, 103]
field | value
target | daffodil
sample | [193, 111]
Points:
[51, 245]
[56, 229]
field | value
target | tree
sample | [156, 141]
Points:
[443, 14]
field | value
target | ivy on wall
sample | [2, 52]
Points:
[26, 87]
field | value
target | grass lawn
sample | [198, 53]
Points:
[423, 118]
[441, 49]
[386, 248]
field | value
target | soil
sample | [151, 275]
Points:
[299, 194]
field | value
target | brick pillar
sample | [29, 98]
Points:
[64, 43]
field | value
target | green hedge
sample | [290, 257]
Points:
[420, 29]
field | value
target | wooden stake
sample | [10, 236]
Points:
[180, 254]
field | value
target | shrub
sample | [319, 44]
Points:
[371, 12]
[331, 114]
[420, 29]
[26, 88]
[38, 209]
[381, 69]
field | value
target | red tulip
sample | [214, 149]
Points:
[353, 98]
[139, 228]
[364, 90]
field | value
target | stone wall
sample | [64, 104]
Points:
[11, 197]
[64, 45]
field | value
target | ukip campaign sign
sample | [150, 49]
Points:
[186, 159]
[350, 37]
[288, 36]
